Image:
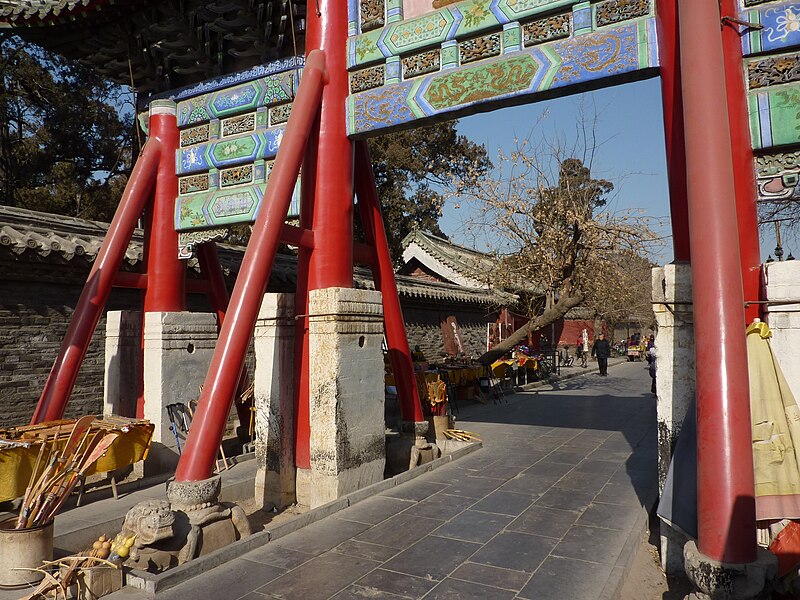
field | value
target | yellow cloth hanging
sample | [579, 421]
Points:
[776, 431]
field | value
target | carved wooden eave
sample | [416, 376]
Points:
[164, 44]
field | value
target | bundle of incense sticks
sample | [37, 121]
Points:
[59, 467]
[461, 435]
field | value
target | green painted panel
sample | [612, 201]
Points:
[428, 29]
[240, 147]
[476, 16]
[784, 108]
[517, 9]
[220, 207]
[482, 82]
[364, 49]
[755, 126]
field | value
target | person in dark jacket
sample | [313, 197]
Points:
[602, 350]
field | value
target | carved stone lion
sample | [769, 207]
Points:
[191, 523]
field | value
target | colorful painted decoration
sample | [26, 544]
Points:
[780, 27]
[774, 116]
[228, 138]
[778, 176]
[610, 52]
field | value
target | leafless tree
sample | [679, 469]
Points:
[557, 245]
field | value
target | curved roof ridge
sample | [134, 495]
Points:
[465, 261]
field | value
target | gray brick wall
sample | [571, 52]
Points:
[423, 325]
[33, 321]
[34, 316]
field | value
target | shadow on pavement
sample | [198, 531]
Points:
[584, 403]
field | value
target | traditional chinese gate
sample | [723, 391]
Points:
[730, 81]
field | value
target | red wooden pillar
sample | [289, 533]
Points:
[744, 176]
[166, 273]
[329, 183]
[672, 103]
[725, 502]
[332, 257]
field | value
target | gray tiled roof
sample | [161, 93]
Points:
[29, 236]
[471, 264]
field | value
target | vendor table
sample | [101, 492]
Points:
[500, 367]
[19, 448]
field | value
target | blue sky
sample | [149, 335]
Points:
[632, 155]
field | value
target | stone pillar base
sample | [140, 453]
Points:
[672, 543]
[315, 488]
[346, 394]
[275, 489]
[178, 347]
[414, 429]
[782, 287]
[123, 362]
[726, 581]
[274, 402]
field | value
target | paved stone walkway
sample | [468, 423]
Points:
[550, 508]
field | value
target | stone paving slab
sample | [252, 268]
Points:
[547, 509]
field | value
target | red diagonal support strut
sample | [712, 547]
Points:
[674, 145]
[744, 176]
[61, 380]
[199, 455]
[210, 266]
[396, 340]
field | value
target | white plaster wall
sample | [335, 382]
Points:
[782, 281]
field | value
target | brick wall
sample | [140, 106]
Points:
[423, 324]
[33, 321]
[34, 316]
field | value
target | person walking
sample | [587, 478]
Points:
[602, 350]
[651, 358]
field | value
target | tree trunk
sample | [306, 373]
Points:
[550, 315]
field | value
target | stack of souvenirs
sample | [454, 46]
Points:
[44, 463]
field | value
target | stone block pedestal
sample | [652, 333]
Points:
[274, 376]
[725, 581]
[675, 381]
[123, 362]
[782, 282]
[346, 389]
[178, 347]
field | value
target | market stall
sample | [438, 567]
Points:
[20, 448]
